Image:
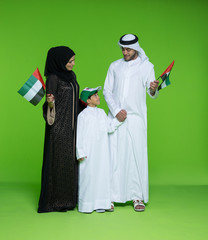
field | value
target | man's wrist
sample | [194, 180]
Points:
[116, 112]
[152, 92]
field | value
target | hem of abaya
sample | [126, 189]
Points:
[63, 209]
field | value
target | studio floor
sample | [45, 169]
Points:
[173, 213]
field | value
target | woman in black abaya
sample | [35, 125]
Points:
[60, 167]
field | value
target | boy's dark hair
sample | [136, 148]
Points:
[92, 94]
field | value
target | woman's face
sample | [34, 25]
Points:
[70, 63]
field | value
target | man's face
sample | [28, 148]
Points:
[129, 54]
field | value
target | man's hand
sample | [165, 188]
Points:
[153, 87]
[121, 116]
[50, 100]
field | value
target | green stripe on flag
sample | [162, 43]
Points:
[28, 85]
[167, 81]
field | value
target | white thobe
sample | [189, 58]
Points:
[94, 171]
[125, 88]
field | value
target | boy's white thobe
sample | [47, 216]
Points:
[94, 171]
[125, 88]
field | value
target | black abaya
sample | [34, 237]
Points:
[60, 167]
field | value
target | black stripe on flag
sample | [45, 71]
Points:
[164, 77]
[36, 99]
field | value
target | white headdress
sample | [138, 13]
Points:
[131, 41]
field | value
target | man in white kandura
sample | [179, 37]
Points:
[125, 93]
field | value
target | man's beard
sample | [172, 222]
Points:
[132, 57]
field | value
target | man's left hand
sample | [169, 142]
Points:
[153, 87]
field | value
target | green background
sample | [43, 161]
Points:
[177, 120]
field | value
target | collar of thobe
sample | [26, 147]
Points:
[92, 108]
[137, 61]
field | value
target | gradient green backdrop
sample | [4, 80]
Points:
[167, 30]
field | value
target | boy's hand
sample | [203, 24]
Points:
[121, 116]
[81, 159]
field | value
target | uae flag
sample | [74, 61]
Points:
[34, 89]
[165, 77]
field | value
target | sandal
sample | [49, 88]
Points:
[139, 203]
[112, 207]
[100, 210]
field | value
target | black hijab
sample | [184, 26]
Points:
[56, 60]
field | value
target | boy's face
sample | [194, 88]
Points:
[94, 100]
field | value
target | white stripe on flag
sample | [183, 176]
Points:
[33, 91]
[163, 85]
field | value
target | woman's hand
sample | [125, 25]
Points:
[50, 99]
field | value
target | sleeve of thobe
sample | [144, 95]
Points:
[112, 124]
[151, 78]
[108, 92]
[80, 146]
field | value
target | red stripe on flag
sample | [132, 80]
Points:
[168, 69]
[39, 77]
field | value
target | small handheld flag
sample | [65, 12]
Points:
[165, 77]
[34, 89]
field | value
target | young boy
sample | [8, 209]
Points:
[93, 153]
